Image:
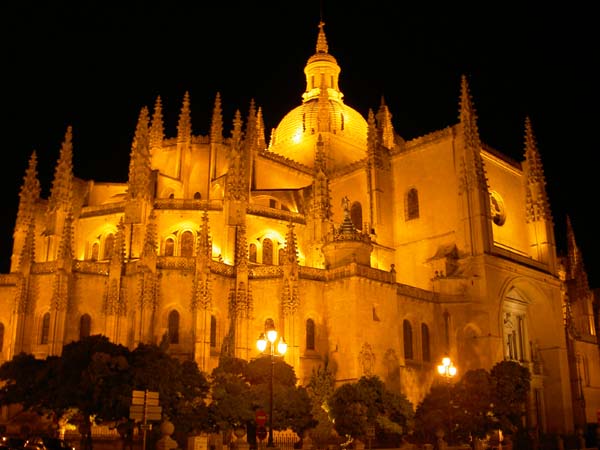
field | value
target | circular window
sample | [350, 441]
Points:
[497, 208]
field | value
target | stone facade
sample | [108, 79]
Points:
[369, 253]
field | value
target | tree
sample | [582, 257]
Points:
[473, 414]
[511, 383]
[291, 403]
[320, 388]
[182, 387]
[95, 379]
[23, 382]
[368, 403]
[231, 403]
[433, 413]
[91, 376]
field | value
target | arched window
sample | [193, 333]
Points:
[197, 196]
[45, 329]
[252, 253]
[213, 332]
[109, 246]
[95, 249]
[408, 340]
[356, 215]
[85, 325]
[187, 244]
[281, 256]
[1, 336]
[425, 342]
[412, 204]
[310, 334]
[173, 327]
[267, 251]
[169, 247]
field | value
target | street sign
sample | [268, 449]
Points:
[261, 418]
[137, 412]
[149, 397]
[144, 406]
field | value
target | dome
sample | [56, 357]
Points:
[322, 115]
[342, 129]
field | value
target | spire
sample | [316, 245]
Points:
[216, 126]
[118, 255]
[261, 142]
[468, 120]
[29, 194]
[372, 141]
[322, 39]
[184, 127]
[384, 122]
[250, 137]
[65, 249]
[157, 128]
[139, 163]
[150, 240]
[28, 251]
[236, 134]
[204, 241]
[537, 203]
[61, 192]
[241, 251]
[291, 248]
[575, 267]
[236, 185]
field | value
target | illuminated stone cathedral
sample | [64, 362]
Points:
[370, 254]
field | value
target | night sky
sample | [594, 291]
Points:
[94, 65]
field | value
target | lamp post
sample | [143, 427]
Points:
[447, 370]
[261, 344]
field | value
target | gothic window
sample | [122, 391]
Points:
[425, 342]
[252, 253]
[408, 340]
[169, 247]
[197, 196]
[356, 215]
[213, 332]
[173, 330]
[109, 245]
[187, 244]
[272, 203]
[45, 329]
[342, 120]
[1, 336]
[171, 195]
[281, 256]
[267, 257]
[310, 334]
[95, 248]
[412, 204]
[85, 325]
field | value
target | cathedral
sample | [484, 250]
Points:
[368, 253]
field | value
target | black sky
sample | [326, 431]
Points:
[94, 64]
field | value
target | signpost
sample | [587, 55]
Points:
[144, 407]
[261, 420]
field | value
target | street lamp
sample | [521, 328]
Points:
[447, 370]
[261, 344]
